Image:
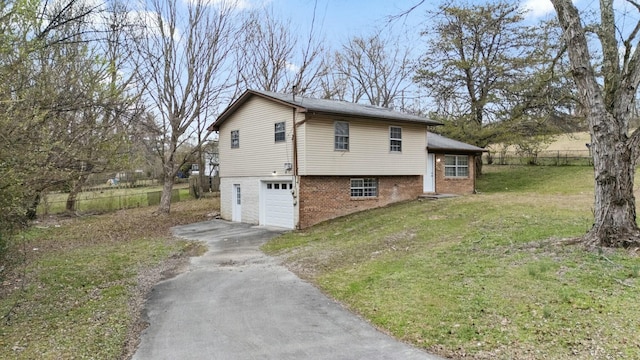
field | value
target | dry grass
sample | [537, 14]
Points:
[570, 142]
[75, 286]
[565, 143]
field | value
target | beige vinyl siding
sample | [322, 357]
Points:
[368, 152]
[258, 154]
[302, 143]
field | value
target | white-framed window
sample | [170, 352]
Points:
[364, 187]
[279, 133]
[341, 139]
[456, 166]
[235, 139]
[395, 139]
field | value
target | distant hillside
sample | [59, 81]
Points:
[570, 142]
[566, 143]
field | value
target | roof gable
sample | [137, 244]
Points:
[324, 106]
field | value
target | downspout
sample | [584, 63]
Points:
[296, 183]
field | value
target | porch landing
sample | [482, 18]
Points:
[433, 196]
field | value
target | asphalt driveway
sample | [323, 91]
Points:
[235, 302]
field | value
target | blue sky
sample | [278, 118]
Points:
[339, 20]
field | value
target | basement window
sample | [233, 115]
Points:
[364, 188]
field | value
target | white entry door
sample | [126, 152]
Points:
[429, 176]
[236, 214]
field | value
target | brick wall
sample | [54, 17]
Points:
[459, 186]
[327, 197]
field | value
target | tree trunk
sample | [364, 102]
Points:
[165, 199]
[478, 166]
[615, 206]
[201, 175]
[73, 194]
[609, 107]
[168, 179]
[32, 208]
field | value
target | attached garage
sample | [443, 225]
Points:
[277, 204]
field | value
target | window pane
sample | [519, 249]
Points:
[456, 166]
[395, 138]
[342, 128]
[279, 132]
[395, 145]
[449, 160]
[364, 187]
[235, 139]
[341, 139]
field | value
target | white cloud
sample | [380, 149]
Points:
[292, 67]
[538, 8]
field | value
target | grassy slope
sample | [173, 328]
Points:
[482, 276]
[74, 286]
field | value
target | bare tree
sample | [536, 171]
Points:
[272, 57]
[185, 53]
[266, 53]
[608, 84]
[376, 68]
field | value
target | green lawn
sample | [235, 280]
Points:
[486, 276]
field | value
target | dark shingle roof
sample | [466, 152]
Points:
[439, 142]
[325, 106]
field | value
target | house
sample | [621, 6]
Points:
[293, 162]
[452, 163]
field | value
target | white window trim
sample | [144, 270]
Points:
[283, 132]
[456, 166]
[335, 135]
[237, 132]
[391, 139]
[366, 189]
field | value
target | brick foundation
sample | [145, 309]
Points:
[326, 197]
[459, 186]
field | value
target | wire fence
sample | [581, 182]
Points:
[548, 158]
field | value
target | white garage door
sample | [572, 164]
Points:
[278, 204]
